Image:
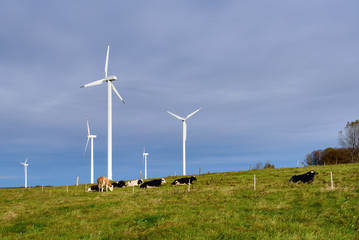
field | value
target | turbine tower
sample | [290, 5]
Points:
[184, 135]
[145, 158]
[25, 166]
[89, 136]
[110, 88]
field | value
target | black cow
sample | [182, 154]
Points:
[93, 188]
[305, 178]
[153, 183]
[119, 184]
[185, 180]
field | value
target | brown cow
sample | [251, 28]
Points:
[103, 181]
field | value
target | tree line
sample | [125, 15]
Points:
[347, 153]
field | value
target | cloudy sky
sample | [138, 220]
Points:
[275, 80]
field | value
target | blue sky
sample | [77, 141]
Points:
[275, 80]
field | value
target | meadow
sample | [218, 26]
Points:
[218, 206]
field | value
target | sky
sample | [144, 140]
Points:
[275, 81]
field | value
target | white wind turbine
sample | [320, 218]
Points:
[89, 136]
[110, 88]
[184, 135]
[145, 158]
[25, 166]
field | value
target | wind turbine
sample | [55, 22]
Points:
[145, 158]
[184, 135]
[110, 88]
[89, 136]
[25, 166]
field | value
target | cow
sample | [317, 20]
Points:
[102, 182]
[305, 178]
[119, 184]
[93, 188]
[153, 183]
[183, 181]
[134, 182]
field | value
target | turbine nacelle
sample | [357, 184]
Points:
[110, 78]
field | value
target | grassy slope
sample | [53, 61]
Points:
[219, 206]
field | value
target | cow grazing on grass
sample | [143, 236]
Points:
[119, 184]
[134, 182]
[185, 180]
[153, 183]
[104, 182]
[93, 188]
[305, 178]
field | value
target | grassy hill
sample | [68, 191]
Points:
[218, 206]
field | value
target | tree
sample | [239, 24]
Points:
[313, 158]
[350, 139]
[268, 165]
[258, 166]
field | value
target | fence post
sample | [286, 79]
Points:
[331, 180]
[254, 182]
[189, 185]
[77, 182]
[297, 163]
[67, 188]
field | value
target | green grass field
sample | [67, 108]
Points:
[218, 206]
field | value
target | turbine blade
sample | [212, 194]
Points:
[86, 147]
[98, 82]
[22, 163]
[26, 159]
[114, 89]
[190, 115]
[180, 118]
[88, 126]
[106, 64]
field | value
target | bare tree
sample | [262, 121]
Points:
[350, 139]
[258, 166]
[313, 158]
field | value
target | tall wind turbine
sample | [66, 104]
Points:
[184, 135]
[25, 166]
[145, 158]
[110, 88]
[89, 136]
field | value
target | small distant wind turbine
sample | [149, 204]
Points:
[145, 158]
[184, 135]
[25, 166]
[110, 88]
[89, 136]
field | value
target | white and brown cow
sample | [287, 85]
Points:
[134, 182]
[102, 182]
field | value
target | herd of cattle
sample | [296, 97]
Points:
[104, 183]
